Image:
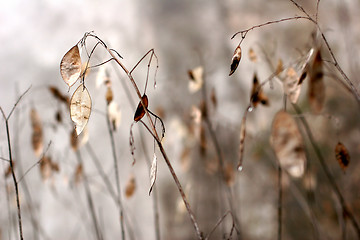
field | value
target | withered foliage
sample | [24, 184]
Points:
[80, 108]
[196, 79]
[291, 86]
[235, 60]
[252, 55]
[78, 175]
[257, 95]
[130, 187]
[48, 167]
[287, 142]
[74, 140]
[37, 133]
[153, 173]
[58, 95]
[342, 155]
[242, 141]
[70, 66]
[316, 84]
[140, 111]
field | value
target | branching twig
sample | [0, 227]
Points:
[155, 134]
[331, 179]
[6, 119]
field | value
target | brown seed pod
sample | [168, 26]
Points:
[342, 156]
[235, 60]
[70, 66]
[140, 111]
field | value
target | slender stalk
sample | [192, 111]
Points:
[117, 180]
[11, 162]
[156, 137]
[326, 170]
[279, 201]
[89, 198]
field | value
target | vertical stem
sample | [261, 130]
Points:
[279, 201]
[331, 179]
[89, 198]
[14, 178]
[117, 180]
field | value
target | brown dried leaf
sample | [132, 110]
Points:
[74, 140]
[58, 95]
[78, 175]
[8, 170]
[80, 108]
[70, 66]
[290, 84]
[109, 95]
[37, 133]
[153, 173]
[196, 79]
[140, 111]
[242, 141]
[279, 67]
[114, 115]
[257, 95]
[130, 187]
[252, 55]
[316, 85]
[235, 60]
[287, 142]
[342, 156]
[45, 168]
[213, 97]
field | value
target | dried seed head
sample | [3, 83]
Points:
[235, 60]
[287, 142]
[140, 111]
[130, 187]
[342, 156]
[196, 79]
[70, 66]
[80, 108]
[252, 55]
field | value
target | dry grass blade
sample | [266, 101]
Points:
[287, 142]
[80, 108]
[316, 85]
[130, 187]
[37, 133]
[140, 111]
[153, 173]
[196, 79]
[342, 156]
[114, 114]
[70, 66]
[291, 86]
[235, 60]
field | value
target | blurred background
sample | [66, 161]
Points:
[35, 35]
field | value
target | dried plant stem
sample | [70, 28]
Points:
[148, 162]
[156, 137]
[330, 178]
[221, 160]
[117, 178]
[89, 198]
[280, 190]
[11, 162]
[13, 176]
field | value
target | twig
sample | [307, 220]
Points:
[38, 162]
[157, 138]
[117, 180]
[279, 201]
[330, 178]
[218, 223]
[6, 119]
[89, 198]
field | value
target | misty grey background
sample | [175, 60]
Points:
[34, 35]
